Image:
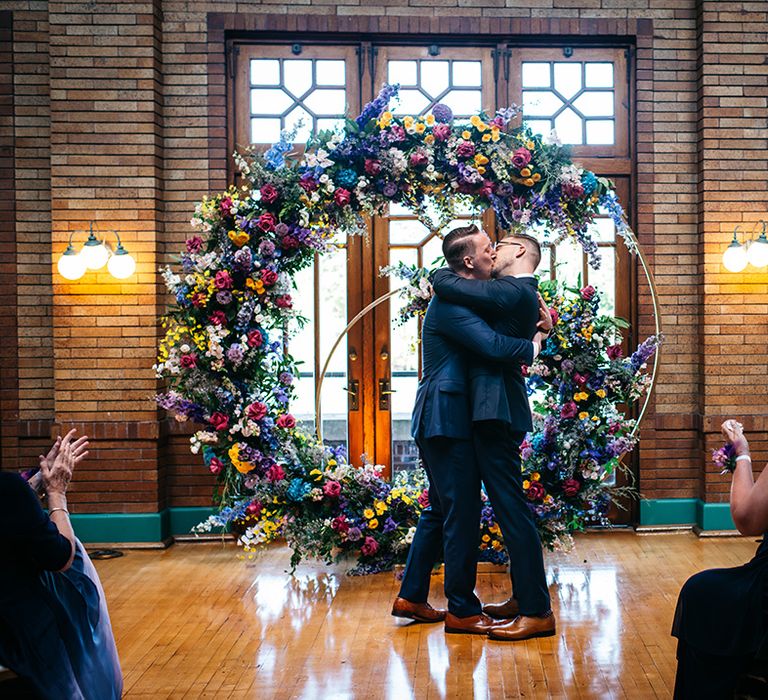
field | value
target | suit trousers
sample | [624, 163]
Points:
[452, 520]
[497, 450]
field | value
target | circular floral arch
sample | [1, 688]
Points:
[223, 354]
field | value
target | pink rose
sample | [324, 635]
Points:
[396, 133]
[226, 205]
[569, 410]
[423, 498]
[465, 149]
[418, 159]
[487, 189]
[340, 524]
[189, 361]
[255, 339]
[554, 315]
[521, 157]
[372, 167]
[275, 473]
[441, 132]
[332, 489]
[284, 302]
[342, 197]
[588, 292]
[269, 277]
[307, 183]
[222, 280]
[370, 547]
[216, 466]
[536, 491]
[289, 242]
[580, 379]
[217, 318]
[269, 194]
[219, 421]
[254, 508]
[571, 487]
[287, 421]
[267, 221]
[614, 352]
[194, 244]
[256, 411]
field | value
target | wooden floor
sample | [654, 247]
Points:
[196, 621]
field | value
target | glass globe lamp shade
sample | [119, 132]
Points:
[757, 254]
[121, 264]
[735, 257]
[71, 266]
[94, 253]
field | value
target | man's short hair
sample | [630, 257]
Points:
[457, 244]
[531, 245]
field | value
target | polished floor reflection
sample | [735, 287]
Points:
[196, 621]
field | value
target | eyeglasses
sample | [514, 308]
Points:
[501, 244]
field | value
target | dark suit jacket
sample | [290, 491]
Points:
[510, 306]
[451, 335]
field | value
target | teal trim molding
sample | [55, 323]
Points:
[686, 511]
[137, 527]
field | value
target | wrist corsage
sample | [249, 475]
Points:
[725, 458]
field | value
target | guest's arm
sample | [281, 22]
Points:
[749, 498]
[486, 296]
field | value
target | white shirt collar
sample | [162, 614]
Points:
[524, 275]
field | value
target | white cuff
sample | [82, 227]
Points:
[744, 458]
[536, 349]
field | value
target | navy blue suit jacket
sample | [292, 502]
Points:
[511, 307]
[451, 336]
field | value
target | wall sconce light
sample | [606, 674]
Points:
[737, 255]
[93, 256]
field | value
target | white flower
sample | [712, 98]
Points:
[320, 158]
[408, 539]
[551, 139]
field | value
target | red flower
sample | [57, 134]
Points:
[255, 339]
[614, 352]
[284, 302]
[290, 242]
[307, 183]
[521, 157]
[275, 473]
[372, 167]
[194, 244]
[256, 411]
[226, 205]
[269, 194]
[580, 379]
[332, 489]
[217, 318]
[536, 491]
[222, 280]
[342, 197]
[554, 315]
[340, 524]
[269, 277]
[569, 410]
[267, 221]
[216, 466]
[418, 159]
[254, 508]
[487, 189]
[397, 133]
[287, 421]
[423, 498]
[465, 149]
[571, 487]
[441, 132]
[189, 360]
[588, 292]
[198, 299]
[370, 547]
[219, 421]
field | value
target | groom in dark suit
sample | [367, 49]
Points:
[501, 416]
[442, 427]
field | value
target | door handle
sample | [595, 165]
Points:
[354, 394]
[384, 393]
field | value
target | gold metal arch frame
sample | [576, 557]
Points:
[633, 246]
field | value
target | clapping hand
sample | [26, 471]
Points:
[56, 467]
[733, 432]
[545, 323]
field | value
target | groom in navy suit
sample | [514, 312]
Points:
[452, 336]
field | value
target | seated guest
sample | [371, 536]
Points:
[54, 627]
[721, 621]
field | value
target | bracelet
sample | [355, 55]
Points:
[53, 510]
[741, 458]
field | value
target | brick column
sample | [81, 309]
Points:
[106, 167]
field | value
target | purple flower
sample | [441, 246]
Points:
[354, 534]
[644, 351]
[442, 113]
[389, 525]
[286, 378]
[390, 190]
[267, 249]
[374, 108]
[243, 259]
[235, 354]
[567, 366]
[224, 297]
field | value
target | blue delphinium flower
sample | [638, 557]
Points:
[298, 489]
[376, 106]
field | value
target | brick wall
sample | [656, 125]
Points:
[136, 95]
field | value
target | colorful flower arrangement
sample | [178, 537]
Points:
[223, 354]
[725, 458]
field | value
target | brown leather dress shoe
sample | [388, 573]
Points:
[421, 612]
[525, 627]
[475, 624]
[508, 610]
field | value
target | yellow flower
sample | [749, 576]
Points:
[528, 182]
[373, 524]
[387, 115]
[535, 476]
[548, 499]
[406, 500]
[495, 134]
[525, 172]
[480, 159]
[536, 177]
[380, 507]
[486, 538]
[466, 135]
[408, 122]
[420, 128]
[486, 138]
[429, 139]
[526, 485]
[529, 145]
[430, 119]
[239, 238]
[496, 545]
[317, 474]
[475, 121]
[581, 396]
[481, 170]
[332, 463]
[601, 393]
[583, 415]
[368, 513]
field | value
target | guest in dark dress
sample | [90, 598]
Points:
[54, 627]
[720, 621]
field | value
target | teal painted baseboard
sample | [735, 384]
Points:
[686, 511]
[137, 527]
